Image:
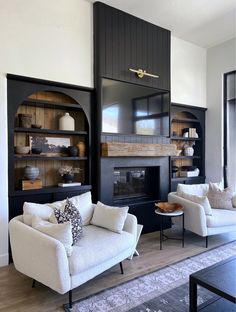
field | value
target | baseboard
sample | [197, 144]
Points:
[4, 260]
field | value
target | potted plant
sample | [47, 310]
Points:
[68, 173]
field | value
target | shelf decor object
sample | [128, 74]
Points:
[141, 73]
[81, 148]
[31, 173]
[25, 120]
[51, 146]
[67, 122]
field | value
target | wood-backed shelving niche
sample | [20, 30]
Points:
[46, 102]
[185, 117]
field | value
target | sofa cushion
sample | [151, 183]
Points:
[201, 200]
[41, 210]
[221, 217]
[111, 218]
[96, 246]
[82, 202]
[193, 189]
[61, 232]
[219, 198]
[71, 214]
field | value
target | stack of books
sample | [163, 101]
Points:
[192, 132]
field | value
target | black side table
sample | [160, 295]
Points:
[170, 214]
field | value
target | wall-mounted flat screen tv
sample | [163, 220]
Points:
[132, 109]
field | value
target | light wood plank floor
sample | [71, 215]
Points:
[16, 294]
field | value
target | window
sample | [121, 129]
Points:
[230, 129]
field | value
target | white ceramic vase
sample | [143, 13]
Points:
[188, 151]
[67, 122]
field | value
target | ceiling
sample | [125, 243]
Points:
[205, 23]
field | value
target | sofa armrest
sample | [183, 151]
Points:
[130, 225]
[194, 214]
[39, 256]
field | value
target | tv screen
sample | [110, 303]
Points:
[132, 109]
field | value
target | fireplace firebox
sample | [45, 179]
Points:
[136, 183]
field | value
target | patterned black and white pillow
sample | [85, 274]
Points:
[72, 214]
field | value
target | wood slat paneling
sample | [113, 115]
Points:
[123, 41]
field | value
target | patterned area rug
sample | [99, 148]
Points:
[165, 290]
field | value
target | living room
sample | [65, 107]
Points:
[54, 42]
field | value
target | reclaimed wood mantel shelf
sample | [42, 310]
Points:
[117, 149]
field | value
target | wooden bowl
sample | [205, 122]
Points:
[168, 207]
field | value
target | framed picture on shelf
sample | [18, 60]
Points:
[50, 146]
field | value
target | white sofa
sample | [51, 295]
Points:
[44, 259]
[195, 219]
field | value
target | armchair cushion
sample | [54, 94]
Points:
[221, 217]
[72, 214]
[61, 232]
[218, 198]
[97, 246]
[193, 189]
[82, 202]
[108, 217]
[201, 200]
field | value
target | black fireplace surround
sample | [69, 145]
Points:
[137, 182]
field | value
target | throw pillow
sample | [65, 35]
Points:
[70, 213]
[108, 217]
[193, 189]
[218, 198]
[61, 232]
[201, 200]
[41, 210]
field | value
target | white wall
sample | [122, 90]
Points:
[188, 73]
[43, 39]
[220, 59]
[53, 40]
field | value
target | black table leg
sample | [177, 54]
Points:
[183, 230]
[161, 232]
[193, 295]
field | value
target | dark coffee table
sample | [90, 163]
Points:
[220, 279]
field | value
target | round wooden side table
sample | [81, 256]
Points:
[173, 214]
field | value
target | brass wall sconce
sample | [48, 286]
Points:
[141, 73]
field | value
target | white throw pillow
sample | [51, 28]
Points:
[84, 204]
[61, 232]
[43, 211]
[201, 200]
[193, 189]
[220, 198]
[108, 217]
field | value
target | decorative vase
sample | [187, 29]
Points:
[68, 177]
[31, 173]
[73, 151]
[67, 122]
[81, 147]
[188, 151]
[25, 120]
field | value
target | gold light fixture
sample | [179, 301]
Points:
[141, 73]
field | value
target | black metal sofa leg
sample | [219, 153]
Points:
[121, 268]
[33, 284]
[206, 241]
[70, 299]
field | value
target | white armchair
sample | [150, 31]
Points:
[196, 220]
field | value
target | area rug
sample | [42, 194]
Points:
[165, 290]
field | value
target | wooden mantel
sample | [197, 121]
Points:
[116, 149]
